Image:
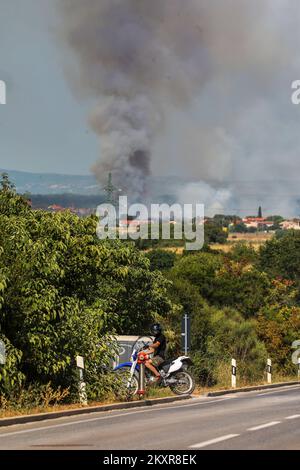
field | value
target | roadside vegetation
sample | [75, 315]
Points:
[63, 293]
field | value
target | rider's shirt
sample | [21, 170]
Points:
[161, 350]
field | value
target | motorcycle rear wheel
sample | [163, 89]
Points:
[185, 383]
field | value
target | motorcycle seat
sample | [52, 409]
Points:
[166, 363]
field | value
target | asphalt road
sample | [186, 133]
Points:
[254, 420]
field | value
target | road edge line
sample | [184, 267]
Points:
[24, 419]
[251, 388]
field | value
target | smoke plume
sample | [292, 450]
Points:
[213, 64]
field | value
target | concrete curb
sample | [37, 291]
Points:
[250, 389]
[128, 405]
[92, 409]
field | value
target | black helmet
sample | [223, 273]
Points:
[156, 329]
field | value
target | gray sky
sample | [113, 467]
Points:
[238, 139]
[43, 127]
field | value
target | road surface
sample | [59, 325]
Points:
[254, 420]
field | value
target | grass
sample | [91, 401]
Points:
[152, 392]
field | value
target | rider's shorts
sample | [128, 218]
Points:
[157, 360]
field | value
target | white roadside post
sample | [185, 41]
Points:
[298, 368]
[2, 353]
[233, 373]
[269, 371]
[82, 385]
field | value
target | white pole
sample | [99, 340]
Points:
[233, 373]
[185, 331]
[82, 384]
[298, 368]
[269, 371]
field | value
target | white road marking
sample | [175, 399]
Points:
[100, 418]
[293, 417]
[213, 441]
[279, 389]
[262, 426]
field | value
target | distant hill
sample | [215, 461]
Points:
[53, 183]
[160, 188]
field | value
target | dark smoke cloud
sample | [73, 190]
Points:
[142, 60]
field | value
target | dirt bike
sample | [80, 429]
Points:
[174, 373]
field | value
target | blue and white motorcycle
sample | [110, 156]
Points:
[174, 373]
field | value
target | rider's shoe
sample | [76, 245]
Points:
[158, 379]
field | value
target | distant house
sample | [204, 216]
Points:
[132, 222]
[293, 224]
[257, 222]
[58, 208]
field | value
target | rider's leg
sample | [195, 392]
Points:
[151, 367]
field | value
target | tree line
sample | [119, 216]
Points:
[64, 292]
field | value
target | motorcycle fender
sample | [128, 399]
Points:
[125, 364]
[176, 365]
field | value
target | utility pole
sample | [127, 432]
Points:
[259, 212]
[110, 191]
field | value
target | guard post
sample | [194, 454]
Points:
[233, 373]
[185, 334]
[299, 368]
[2, 353]
[82, 384]
[269, 371]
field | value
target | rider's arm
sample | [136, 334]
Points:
[153, 346]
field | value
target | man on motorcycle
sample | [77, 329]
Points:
[158, 348]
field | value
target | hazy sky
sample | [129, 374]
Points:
[43, 127]
[238, 137]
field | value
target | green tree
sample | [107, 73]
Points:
[224, 282]
[240, 286]
[161, 259]
[64, 292]
[280, 256]
[278, 323]
[200, 270]
[11, 203]
[239, 228]
[214, 233]
[226, 335]
[243, 253]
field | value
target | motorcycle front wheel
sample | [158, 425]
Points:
[185, 383]
[124, 377]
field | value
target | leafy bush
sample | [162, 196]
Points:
[34, 396]
[161, 259]
[63, 293]
[227, 335]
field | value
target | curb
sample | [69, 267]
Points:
[251, 388]
[92, 409]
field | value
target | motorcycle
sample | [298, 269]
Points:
[174, 373]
